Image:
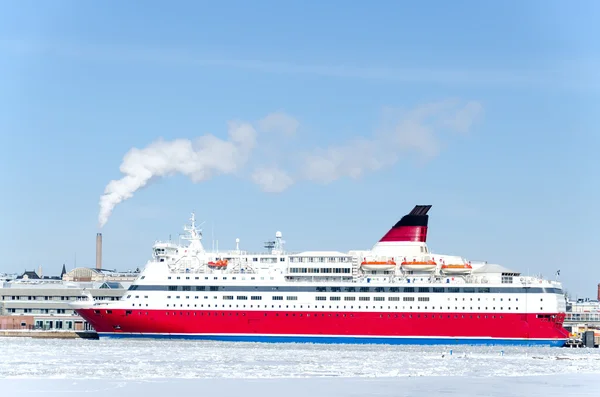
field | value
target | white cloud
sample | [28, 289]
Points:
[413, 132]
[352, 159]
[198, 160]
[579, 74]
[272, 179]
[407, 133]
[279, 122]
[465, 117]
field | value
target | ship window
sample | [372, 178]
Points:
[291, 298]
[394, 298]
[364, 298]
[242, 298]
[228, 297]
[349, 298]
[278, 298]
[256, 298]
[378, 298]
[334, 298]
[320, 298]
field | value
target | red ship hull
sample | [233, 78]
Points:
[335, 327]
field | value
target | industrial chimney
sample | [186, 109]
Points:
[598, 292]
[99, 251]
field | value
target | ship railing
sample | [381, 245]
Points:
[234, 253]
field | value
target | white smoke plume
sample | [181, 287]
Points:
[198, 160]
[403, 133]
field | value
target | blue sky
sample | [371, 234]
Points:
[356, 112]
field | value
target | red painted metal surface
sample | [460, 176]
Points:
[504, 325]
[406, 233]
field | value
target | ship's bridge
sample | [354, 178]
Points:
[161, 251]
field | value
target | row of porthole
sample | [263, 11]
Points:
[433, 316]
[352, 307]
[321, 298]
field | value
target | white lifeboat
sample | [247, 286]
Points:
[422, 265]
[461, 268]
[378, 264]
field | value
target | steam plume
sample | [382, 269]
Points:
[198, 160]
[406, 132]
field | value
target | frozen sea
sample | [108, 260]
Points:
[34, 367]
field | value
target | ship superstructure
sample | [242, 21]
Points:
[397, 292]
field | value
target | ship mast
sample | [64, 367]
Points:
[194, 235]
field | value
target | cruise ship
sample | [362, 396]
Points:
[398, 292]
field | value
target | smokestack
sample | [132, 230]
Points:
[599, 292]
[98, 251]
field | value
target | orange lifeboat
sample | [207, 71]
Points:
[462, 268]
[220, 263]
[378, 264]
[419, 266]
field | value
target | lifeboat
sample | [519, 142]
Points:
[219, 264]
[378, 264]
[462, 268]
[419, 266]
